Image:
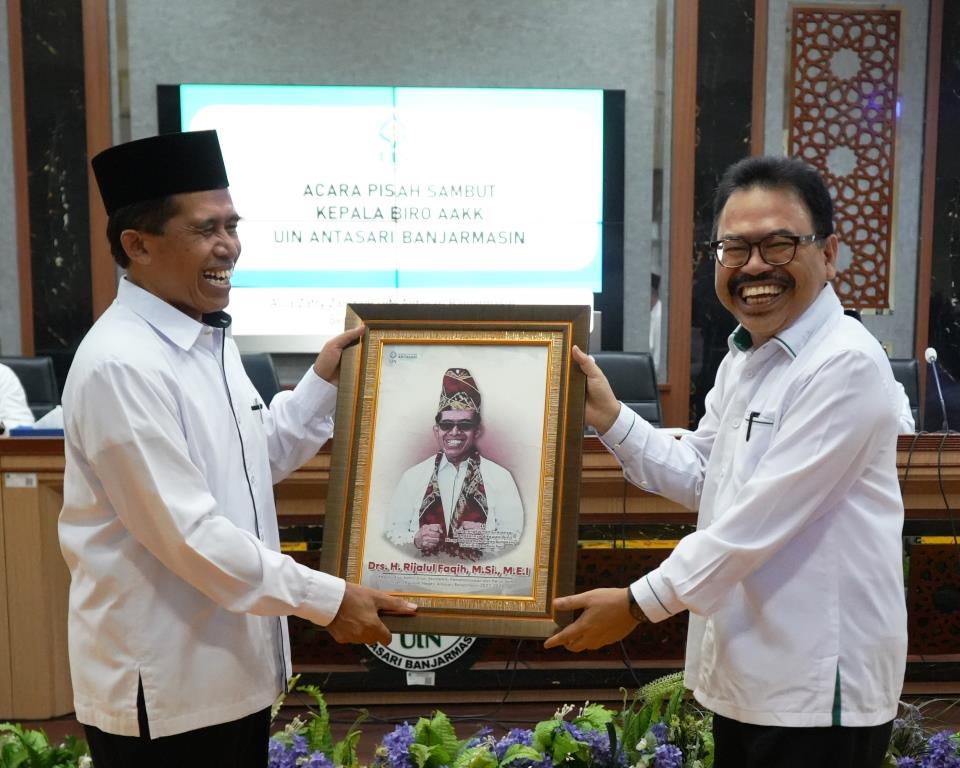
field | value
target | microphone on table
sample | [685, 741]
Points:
[930, 355]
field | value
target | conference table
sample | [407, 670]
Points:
[34, 673]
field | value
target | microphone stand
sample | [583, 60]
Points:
[944, 427]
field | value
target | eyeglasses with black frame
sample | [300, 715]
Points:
[465, 426]
[775, 249]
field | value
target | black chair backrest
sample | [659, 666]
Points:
[261, 371]
[634, 381]
[907, 372]
[39, 382]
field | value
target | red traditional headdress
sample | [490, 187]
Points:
[459, 391]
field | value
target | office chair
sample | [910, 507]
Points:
[633, 380]
[907, 372]
[261, 371]
[39, 382]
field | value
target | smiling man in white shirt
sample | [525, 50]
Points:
[179, 593]
[456, 502]
[793, 579]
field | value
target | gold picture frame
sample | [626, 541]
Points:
[498, 577]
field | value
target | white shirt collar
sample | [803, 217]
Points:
[795, 337]
[181, 329]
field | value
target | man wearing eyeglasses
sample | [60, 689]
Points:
[793, 579]
[457, 503]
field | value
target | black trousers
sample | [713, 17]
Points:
[741, 745]
[237, 744]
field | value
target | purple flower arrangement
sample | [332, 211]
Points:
[913, 746]
[940, 751]
[660, 728]
[394, 751]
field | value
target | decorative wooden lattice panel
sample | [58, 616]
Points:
[933, 613]
[842, 121]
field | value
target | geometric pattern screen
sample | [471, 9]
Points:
[842, 120]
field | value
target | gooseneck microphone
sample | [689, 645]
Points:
[930, 355]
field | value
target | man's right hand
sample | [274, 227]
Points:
[429, 537]
[602, 407]
[358, 620]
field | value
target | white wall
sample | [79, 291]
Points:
[551, 43]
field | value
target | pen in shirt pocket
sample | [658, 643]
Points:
[754, 418]
[258, 407]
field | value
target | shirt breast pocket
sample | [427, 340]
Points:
[756, 436]
[253, 421]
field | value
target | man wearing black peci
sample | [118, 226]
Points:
[179, 592]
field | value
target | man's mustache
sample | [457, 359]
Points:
[738, 281]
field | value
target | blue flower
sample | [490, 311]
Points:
[483, 736]
[522, 736]
[278, 756]
[394, 751]
[317, 760]
[600, 754]
[941, 752]
[660, 732]
[514, 736]
[907, 762]
[667, 756]
[299, 746]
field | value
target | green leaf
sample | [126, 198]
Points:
[278, 702]
[521, 752]
[318, 733]
[12, 754]
[420, 753]
[75, 747]
[480, 756]
[566, 747]
[318, 737]
[674, 704]
[708, 747]
[438, 734]
[543, 735]
[596, 716]
[33, 746]
[345, 751]
[661, 688]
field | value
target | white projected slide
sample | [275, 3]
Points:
[442, 195]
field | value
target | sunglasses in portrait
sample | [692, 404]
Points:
[464, 426]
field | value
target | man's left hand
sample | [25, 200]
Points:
[327, 364]
[605, 619]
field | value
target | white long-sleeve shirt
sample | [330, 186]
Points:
[14, 411]
[169, 526]
[505, 509]
[794, 576]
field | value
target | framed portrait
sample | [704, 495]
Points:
[456, 464]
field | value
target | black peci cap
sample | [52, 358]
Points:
[169, 164]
